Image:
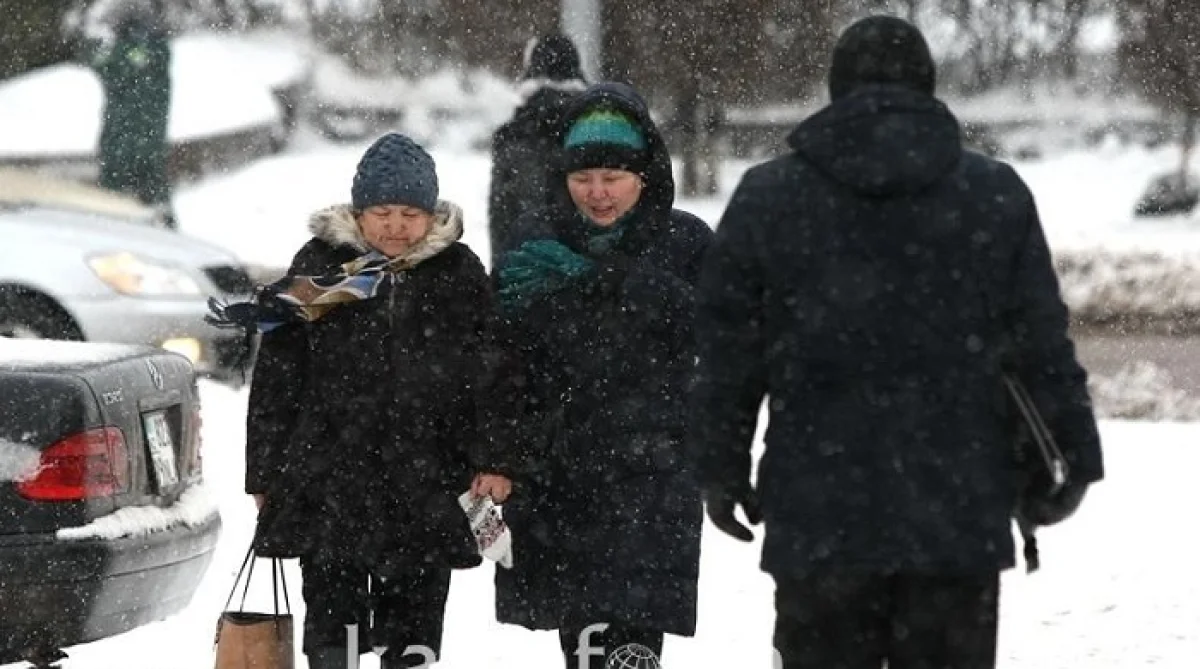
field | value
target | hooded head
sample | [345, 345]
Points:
[552, 57]
[881, 50]
[609, 126]
[884, 134]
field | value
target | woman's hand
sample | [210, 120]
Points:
[493, 485]
[259, 500]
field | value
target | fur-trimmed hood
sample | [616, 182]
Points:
[337, 226]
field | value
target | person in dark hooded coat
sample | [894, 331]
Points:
[598, 304]
[875, 283]
[365, 410]
[135, 73]
[524, 148]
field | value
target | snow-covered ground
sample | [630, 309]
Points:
[1117, 589]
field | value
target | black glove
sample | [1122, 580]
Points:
[723, 502]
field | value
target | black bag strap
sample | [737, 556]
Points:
[1051, 454]
[247, 562]
[278, 580]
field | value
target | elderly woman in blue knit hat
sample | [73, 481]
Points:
[366, 408]
[597, 305]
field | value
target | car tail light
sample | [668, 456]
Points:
[93, 463]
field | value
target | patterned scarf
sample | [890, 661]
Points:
[304, 299]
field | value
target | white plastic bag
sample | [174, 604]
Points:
[491, 533]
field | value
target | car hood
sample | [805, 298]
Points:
[42, 228]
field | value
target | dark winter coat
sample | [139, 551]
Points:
[362, 427]
[870, 283]
[136, 76]
[607, 519]
[524, 151]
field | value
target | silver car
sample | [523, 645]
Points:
[81, 263]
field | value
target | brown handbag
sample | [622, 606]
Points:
[248, 640]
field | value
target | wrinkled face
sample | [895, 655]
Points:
[604, 195]
[393, 229]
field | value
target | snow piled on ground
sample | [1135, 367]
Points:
[1102, 284]
[1142, 391]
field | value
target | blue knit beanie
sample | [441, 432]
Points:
[395, 170]
[605, 137]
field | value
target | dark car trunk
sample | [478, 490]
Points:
[45, 402]
[79, 426]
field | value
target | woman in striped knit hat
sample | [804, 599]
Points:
[597, 303]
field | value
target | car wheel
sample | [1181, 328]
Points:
[29, 316]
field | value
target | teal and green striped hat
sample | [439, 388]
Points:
[605, 138]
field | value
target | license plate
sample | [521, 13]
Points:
[162, 450]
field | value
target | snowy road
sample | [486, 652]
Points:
[1119, 587]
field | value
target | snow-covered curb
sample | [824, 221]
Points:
[196, 506]
[1105, 286]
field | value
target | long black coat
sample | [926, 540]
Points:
[363, 427]
[607, 517]
[136, 75]
[524, 151]
[871, 283]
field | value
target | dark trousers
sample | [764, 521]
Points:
[605, 643]
[845, 620]
[404, 611]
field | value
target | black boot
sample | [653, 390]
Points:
[392, 660]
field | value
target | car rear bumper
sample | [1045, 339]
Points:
[58, 593]
[178, 323]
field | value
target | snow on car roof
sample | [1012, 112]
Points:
[48, 355]
[19, 186]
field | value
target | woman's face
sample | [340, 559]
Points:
[604, 195]
[393, 229]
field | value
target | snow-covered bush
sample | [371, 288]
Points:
[1107, 286]
[1142, 391]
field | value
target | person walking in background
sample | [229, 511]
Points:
[365, 409]
[598, 307]
[135, 73]
[875, 284]
[524, 148]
